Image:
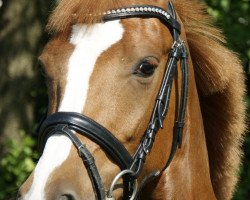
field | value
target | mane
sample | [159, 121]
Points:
[219, 78]
[220, 82]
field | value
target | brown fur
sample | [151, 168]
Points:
[54, 64]
[220, 81]
[219, 78]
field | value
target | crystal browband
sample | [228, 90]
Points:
[150, 9]
[142, 11]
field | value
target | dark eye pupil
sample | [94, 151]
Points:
[146, 69]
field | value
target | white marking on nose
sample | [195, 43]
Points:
[90, 42]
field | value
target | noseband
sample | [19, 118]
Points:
[67, 123]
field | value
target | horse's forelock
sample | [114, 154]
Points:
[72, 12]
[68, 13]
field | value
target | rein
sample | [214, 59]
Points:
[67, 123]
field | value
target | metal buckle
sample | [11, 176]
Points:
[117, 178]
[178, 43]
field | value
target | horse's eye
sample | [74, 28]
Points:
[145, 69]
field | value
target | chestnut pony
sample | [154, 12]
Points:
[109, 74]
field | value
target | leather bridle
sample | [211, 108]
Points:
[67, 123]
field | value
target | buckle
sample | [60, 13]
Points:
[109, 195]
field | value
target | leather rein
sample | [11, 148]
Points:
[67, 123]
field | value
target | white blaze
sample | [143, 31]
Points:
[89, 44]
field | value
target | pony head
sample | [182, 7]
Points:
[109, 65]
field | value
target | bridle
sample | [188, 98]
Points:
[67, 123]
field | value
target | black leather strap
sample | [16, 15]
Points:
[178, 52]
[176, 33]
[159, 112]
[179, 124]
[87, 158]
[90, 129]
[147, 179]
[171, 22]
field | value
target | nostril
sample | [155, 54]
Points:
[67, 197]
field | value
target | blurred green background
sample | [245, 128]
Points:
[23, 97]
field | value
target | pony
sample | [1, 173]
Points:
[111, 72]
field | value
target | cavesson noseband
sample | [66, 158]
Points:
[67, 123]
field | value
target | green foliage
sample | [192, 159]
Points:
[16, 165]
[233, 17]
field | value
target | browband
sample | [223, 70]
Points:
[143, 11]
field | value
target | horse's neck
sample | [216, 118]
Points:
[188, 176]
[193, 166]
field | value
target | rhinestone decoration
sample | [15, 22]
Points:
[140, 9]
